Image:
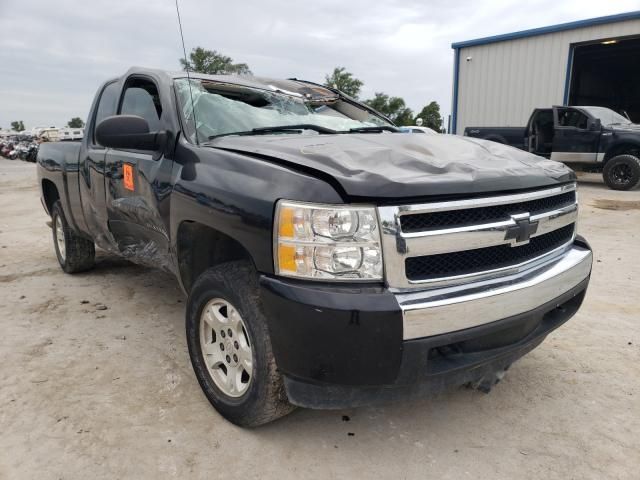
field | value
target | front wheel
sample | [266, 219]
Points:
[230, 347]
[622, 172]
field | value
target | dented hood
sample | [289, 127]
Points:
[395, 165]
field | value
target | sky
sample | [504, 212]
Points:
[54, 54]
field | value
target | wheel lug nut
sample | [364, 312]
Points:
[222, 333]
[235, 357]
[230, 333]
[222, 346]
[235, 344]
[228, 359]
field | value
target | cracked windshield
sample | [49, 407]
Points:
[226, 109]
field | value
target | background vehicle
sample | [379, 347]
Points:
[330, 261]
[6, 147]
[588, 138]
[418, 129]
[50, 134]
[19, 147]
[66, 134]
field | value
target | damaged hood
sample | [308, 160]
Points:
[395, 165]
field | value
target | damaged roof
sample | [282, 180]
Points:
[292, 85]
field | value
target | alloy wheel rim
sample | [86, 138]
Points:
[622, 173]
[60, 238]
[226, 347]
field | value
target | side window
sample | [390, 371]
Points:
[107, 104]
[572, 118]
[141, 98]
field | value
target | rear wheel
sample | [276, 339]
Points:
[230, 347]
[622, 172]
[74, 253]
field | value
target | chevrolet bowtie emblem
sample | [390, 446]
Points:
[521, 232]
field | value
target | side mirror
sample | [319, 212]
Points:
[128, 132]
[596, 124]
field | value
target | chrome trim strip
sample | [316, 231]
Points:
[600, 157]
[483, 202]
[569, 157]
[435, 312]
[469, 237]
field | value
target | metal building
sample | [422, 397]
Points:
[498, 81]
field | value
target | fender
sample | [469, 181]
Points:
[236, 195]
[57, 166]
[619, 143]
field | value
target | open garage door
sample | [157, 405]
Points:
[607, 74]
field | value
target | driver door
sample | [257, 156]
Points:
[573, 141]
[137, 184]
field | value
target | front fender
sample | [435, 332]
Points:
[236, 195]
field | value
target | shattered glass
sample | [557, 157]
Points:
[218, 114]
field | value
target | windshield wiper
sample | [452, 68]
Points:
[376, 129]
[280, 128]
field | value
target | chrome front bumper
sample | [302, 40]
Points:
[445, 310]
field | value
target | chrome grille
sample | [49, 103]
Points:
[489, 258]
[448, 243]
[490, 214]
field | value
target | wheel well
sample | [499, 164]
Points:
[50, 194]
[628, 148]
[200, 247]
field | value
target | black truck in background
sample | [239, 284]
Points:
[587, 138]
[330, 261]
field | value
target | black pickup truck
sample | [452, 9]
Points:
[329, 260]
[588, 138]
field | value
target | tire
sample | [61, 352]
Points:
[264, 399]
[74, 253]
[622, 172]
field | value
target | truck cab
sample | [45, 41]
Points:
[564, 134]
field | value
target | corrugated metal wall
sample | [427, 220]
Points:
[504, 81]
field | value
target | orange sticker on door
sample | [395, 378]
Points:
[127, 172]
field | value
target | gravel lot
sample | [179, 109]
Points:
[96, 380]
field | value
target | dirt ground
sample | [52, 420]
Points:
[96, 380]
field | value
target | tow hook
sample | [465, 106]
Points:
[485, 383]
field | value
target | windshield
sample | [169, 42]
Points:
[224, 109]
[607, 116]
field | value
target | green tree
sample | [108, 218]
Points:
[393, 108]
[18, 126]
[344, 81]
[430, 116]
[212, 63]
[75, 122]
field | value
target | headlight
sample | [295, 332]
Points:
[327, 242]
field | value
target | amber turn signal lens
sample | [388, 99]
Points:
[287, 258]
[285, 229]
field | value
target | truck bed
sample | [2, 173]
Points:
[59, 153]
[513, 136]
[59, 162]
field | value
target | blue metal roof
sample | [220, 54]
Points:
[553, 28]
